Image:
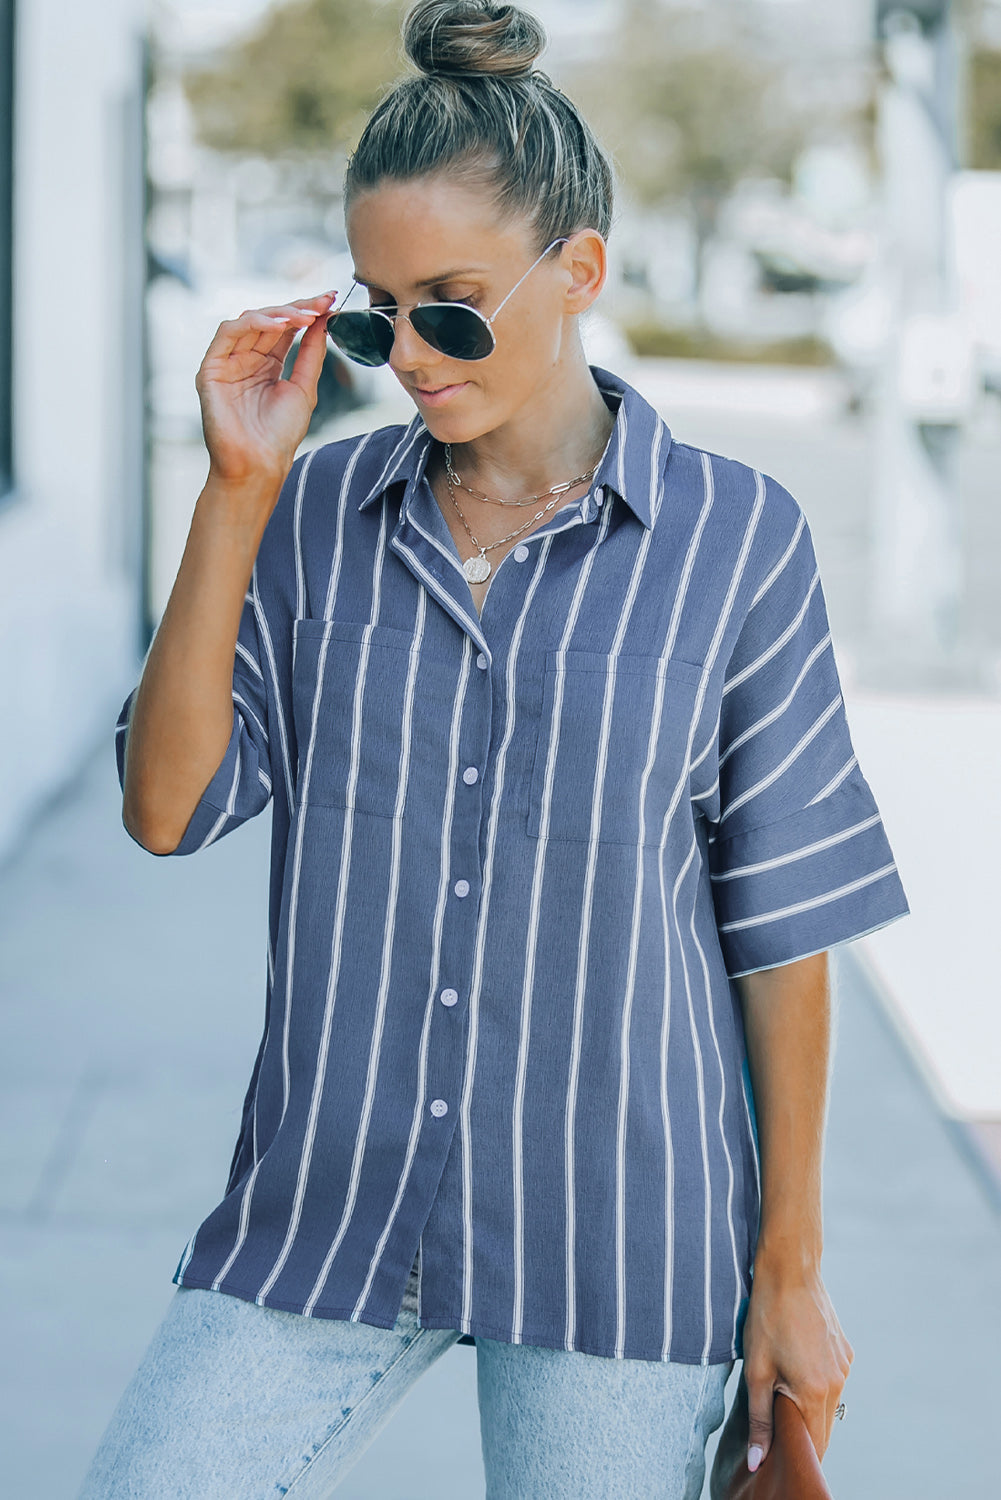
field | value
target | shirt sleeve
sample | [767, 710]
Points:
[799, 859]
[241, 786]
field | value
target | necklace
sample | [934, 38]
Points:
[558, 489]
[478, 569]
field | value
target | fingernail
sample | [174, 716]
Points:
[754, 1456]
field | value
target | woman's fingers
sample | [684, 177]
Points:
[305, 373]
[262, 328]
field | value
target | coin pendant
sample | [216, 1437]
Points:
[476, 569]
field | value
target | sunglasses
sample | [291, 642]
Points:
[451, 328]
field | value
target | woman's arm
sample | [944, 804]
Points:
[253, 419]
[793, 1341]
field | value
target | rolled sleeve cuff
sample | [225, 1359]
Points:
[822, 876]
[217, 808]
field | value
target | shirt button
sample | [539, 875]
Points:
[599, 495]
[520, 553]
[439, 1108]
[462, 887]
[449, 997]
[481, 662]
[470, 775]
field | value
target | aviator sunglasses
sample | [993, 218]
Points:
[452, 328]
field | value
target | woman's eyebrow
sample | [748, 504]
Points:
[432, 280]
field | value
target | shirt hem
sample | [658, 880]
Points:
[777, 963]
[475, 1328]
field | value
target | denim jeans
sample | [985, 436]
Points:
[233, 1401]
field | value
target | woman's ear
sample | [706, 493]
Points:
[585, 256]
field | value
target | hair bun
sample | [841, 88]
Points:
[463, 36]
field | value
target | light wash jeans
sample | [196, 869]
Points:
[233, 1401]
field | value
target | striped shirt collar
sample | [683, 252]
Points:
[625, 467]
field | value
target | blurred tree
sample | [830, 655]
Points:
[305, 80]
[984, 103]
[690, 103]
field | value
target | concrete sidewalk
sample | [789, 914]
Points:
[132, 1002]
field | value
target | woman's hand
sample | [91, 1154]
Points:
[254, 420]
[794, 1343]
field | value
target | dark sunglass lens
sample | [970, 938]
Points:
[362, 336]
[457, 332]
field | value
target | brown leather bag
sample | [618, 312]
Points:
[789, 1471]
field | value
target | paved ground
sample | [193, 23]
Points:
[131, 1002]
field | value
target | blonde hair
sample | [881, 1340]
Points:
[479, 108]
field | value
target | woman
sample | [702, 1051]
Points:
[565, 817]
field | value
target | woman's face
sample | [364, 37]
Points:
[439, 240]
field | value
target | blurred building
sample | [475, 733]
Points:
[71, 386]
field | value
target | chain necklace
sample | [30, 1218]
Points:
[478, 569]
[558, 489]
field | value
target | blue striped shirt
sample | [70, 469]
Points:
[517, 861]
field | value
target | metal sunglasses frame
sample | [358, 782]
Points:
[391, 317]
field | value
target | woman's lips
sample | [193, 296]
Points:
[440, 396]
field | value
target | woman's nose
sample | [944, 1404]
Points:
[409, 351]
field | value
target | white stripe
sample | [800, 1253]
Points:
[533, 934]
[740, 566]
[417, 1120]
[633, 962]
[801, 906]
[834, 782]
[620, 1153]
[442, 594]
[225, 816]
[241, 700]
[780, 708]
[804, 853]
[343, 874]
[665, 1115]
[388, 937]
[583, 946]
[476, 983]
[276, 695]
[584, 930]
[709, 495]
[731, 1175]
[246, 1198]
[701, 1095]
[780, 566]
[300, 570]
[334, 578]
[783, 765]
[407, 441]
[189, 1250]
[776, 645]
[710, 743]
[438, 546]
[265, 634]
[658, 484]
[248, 656]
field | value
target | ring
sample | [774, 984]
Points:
[839, 1411]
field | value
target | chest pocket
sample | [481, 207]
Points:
[603, 718]
[378, 708]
